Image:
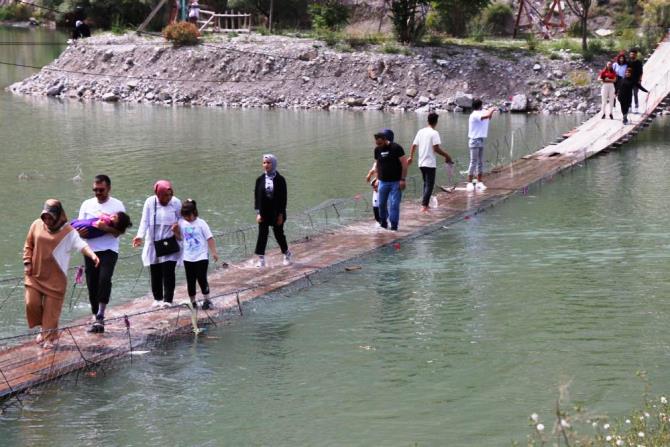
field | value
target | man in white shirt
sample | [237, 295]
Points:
[478, 131]
[428, 142]
[99, 280]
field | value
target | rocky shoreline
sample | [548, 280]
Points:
[283, 72]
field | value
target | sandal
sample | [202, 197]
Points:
[39, 339]
[48, 345]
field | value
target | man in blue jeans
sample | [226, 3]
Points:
[391, 170]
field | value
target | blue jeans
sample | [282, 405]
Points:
[389, 203]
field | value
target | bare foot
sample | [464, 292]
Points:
[39, 339]
[424, 209]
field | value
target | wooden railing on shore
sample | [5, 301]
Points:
[230, 21]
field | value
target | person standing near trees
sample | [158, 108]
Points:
[46, 258]
[428, 142]
[619, 67]
[106, 248]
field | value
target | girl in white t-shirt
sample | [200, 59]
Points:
[198, 243]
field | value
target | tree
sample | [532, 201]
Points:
[456, 14]
[409, 19]
[581, 9]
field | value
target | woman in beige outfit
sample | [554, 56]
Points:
[46, 257]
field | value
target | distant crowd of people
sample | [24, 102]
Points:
[170, 231]
[621, 79]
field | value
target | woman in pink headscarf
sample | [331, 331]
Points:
[160, 215]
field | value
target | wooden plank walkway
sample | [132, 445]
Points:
[25, 365]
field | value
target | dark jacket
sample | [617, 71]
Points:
[270, 208]
[625, 90]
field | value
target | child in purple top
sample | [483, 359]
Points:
[120, 221]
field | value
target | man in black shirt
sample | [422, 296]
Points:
[391, 170]
[636, 66]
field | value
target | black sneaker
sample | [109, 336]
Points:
[98, 327]
[194, 304]
[207, 304]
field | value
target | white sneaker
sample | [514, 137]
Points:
[166, 304]
[287, 258]
[157, 304]
[469, 187]
[481, 186]
[260, 263]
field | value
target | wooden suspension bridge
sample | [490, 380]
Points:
[131, 326]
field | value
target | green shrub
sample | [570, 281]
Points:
[579, 78]
[117, 26]
[531, 41]
[181, 33]
[331, 38]
[499, 18]
[390, 48]
[263, 30]
[623, 21]
[330, 15]
[477, 30]
[656, 13]
[596, 46]
[575, 29]
[18, 12]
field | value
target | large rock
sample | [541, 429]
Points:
[107, 55]
[463, 100]
[110, 97]
[375, 69]
[411, 92]
[519, 103]
[423, 100]
[354, 102]
[308, 55]
[55, 90]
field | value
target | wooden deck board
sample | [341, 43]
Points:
[26, 365]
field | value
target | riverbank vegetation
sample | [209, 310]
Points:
[648, 425]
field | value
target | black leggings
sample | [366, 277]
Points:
[264, 231]
[163, 280]
[428, 175]
[196, 271]
[99, 280]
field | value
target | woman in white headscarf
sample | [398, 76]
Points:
[270, 197]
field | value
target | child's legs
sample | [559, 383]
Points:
[190, 271]
[201, 275]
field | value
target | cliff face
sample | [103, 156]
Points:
[259, 71]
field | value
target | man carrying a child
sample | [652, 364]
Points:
[106, 247]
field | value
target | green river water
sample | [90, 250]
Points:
[454, 339]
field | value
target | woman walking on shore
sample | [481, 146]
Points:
[46, 258]
[270, 197]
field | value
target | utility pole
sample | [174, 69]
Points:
[272, 7]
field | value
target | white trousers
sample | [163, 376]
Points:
[607, 93]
